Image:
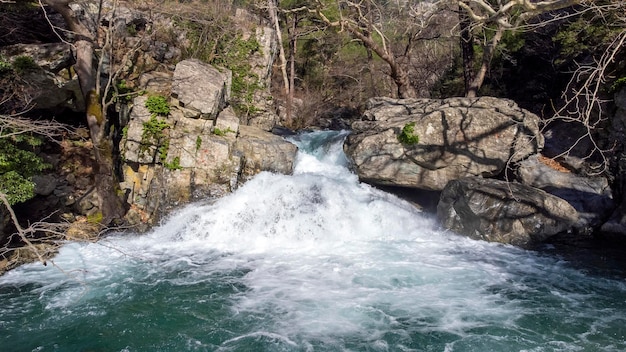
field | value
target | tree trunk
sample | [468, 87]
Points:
[293, 37]
[467, 48]
[107, 187]
[111, 204]
[281, 54]
[488, 52]
[399, 76]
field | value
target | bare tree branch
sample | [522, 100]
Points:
[582, 100]
[495, 17]
[23, 233]
[12, 125]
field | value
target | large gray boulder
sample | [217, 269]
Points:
[458, 137]
[505, 212]
[256, 145]
[201, 87]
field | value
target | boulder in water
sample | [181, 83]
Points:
[506, 212]
[263, 151]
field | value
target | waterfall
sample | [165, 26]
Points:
[314, 261]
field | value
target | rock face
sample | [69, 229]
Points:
[51, 86]
[590, 196]
[203, 152]
[200, 87]
[505, 212]
[616, 225]
[458, 137]
[261, 63]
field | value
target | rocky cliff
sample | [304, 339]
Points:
[198, 145]
[202, 151]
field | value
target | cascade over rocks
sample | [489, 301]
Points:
[458, 137]
[203, 152]
[505, 212]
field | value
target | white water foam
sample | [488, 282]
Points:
[325, 260]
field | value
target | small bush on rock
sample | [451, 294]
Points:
[158, 105]
[408, 136]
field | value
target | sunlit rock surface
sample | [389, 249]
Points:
[205, 152]
[458, 137]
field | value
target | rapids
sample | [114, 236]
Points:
[315, 261]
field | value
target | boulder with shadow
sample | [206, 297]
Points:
[505, 212]
[457, 137]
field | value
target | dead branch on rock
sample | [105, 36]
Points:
[26, 234]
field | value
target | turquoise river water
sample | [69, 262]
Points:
[315, 261]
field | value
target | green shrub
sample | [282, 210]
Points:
[408, 136]
[158, 105]
[131, 29]
[174, 165]
[123, 93]
[153, 133]
[24, 63]
[618, 84]
[163, 149]
[153, 129]
[95, 218]
[219, 132]
[18, 163]
[16, 187]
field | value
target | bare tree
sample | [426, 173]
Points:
[493, 19]
[12, 127]
[273, 12]
[585, 100]
[467, 47]
[362, 20]
[55, 230]
[84, 44]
